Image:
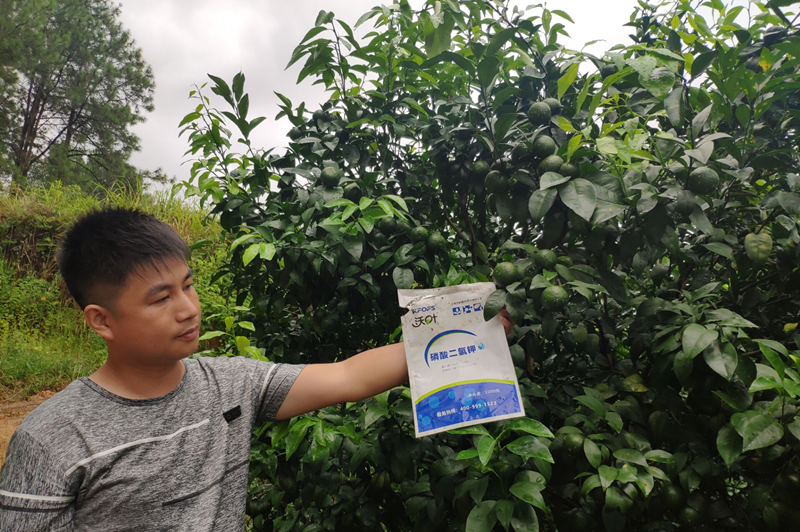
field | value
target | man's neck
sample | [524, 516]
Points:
[133, 381]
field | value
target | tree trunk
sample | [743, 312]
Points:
[23, 156]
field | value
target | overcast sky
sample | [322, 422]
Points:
[183, 40]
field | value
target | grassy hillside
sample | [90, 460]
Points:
[44, 342]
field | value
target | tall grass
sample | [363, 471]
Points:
[44, 342]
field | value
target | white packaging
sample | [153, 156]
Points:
[459, 365]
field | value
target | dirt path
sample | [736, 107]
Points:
[12, 414]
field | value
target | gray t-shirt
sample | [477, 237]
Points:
[87, 459]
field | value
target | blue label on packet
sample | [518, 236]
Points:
[466, 401]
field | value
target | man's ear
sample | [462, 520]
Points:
[98, 319]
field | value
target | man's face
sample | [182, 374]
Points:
[156, 315]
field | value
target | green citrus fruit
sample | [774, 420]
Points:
[539, 114]
[403, 228]
[495, 182]
[685, 202]
[378, 238]
[543, 146]
[555, 105]
[662, 76]
[545, 259]
[480, 169]
[579, 334]
[436, 242]
[295, 133]
[573, 442]
[673, 497]
[387, 225]
[551, 164]
[330, 176]
[569, 170]
[519, 151]
[319, 114]
[608, 70]
[352, 192]
[554, 298]
[703, 180]
[505, 274]
[418, 234]
[658, 273]
[689, 516]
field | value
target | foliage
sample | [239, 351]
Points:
[663, 394]
[74, 83]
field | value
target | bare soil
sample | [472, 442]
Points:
[12, 414]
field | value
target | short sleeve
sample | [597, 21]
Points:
[275, 385]
[34, 493]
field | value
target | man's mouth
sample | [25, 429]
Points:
[190, 334]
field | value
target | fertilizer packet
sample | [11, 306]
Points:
[459, 365]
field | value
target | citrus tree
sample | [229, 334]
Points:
[637, 211]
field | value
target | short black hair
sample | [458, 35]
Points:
[104, 247]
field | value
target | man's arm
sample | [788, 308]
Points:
[359, 377]
[35, 496]
[363, 375]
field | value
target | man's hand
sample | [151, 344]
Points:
[508, 323]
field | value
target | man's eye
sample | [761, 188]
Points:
[162, 299]
[188, 286]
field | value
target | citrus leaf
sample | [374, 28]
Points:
[531, 426]
[696, 338]
[774, 359]
[530, 447]
[675, 108]
[475, 429]
[580, 196]
[605, 211]
[551, 179]
[702, 62]
[794, 428]
[482, 517]
[721, 358]
[720, 249]
[498, 40]
[592, 452]
[504, 510]
[486, 449]
[540, 203]
[592, 403]
[250, 253]
[608, 475]
[565, 81]
[403, 278]
[530, 493]
[243, 238]
[211, 334]
[757, 430]
[630, 455]
[758, 247]
[494, 304]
